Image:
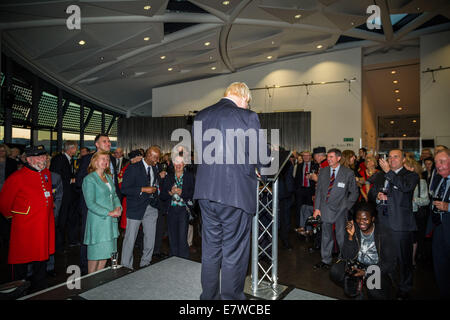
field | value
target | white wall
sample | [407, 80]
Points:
[335, 112]
[435, 96]
[368, 118]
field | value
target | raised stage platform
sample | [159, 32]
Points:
[170, 279]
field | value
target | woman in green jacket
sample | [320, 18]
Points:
[103, 211]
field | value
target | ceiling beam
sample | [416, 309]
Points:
[219, 14]
[414, 24]
[224, 33]
[170, 17]
[386, 20]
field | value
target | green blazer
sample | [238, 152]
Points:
[100, 201]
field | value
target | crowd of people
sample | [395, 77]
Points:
[372, 209]
[406, 199]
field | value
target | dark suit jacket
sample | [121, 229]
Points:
[187, 192]
[134, 178]
[229, 184]
[446, 216]
[286, 185]
[10, 167]
[298, 179]
[399, 215]
[343, 195]
[57, 192]
[61, 165]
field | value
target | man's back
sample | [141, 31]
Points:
[229, 184]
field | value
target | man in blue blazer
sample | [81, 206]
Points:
[140, 184]
[226, 194]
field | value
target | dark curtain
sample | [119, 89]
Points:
[143, 132]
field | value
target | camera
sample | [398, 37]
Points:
[315, 223]
[352, 265]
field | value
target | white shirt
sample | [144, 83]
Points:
[152, 178]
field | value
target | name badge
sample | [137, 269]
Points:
[47, 194]
[341, 185]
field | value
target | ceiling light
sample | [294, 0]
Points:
[319, 46]
[210, 57]
[273, 42]
[269, 57]
[102, 58]
[170, 69]
[163, 57]
[207, 43]
[395, 81]
[404, 134]
[277, 86]
[393, 72]
[392, 122]
[398, 99]
[213, 68]
[414, 121]
[225, 3]
[146, 38]
[396, 91]
[82, 42]
[147, 7]
[297, 16]
[400, 108]
[352, 23]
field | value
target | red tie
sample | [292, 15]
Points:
[305, 181]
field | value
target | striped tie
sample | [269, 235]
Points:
[330, 186]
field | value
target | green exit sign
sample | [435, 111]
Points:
[348, 139]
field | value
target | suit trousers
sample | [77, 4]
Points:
[441, 260]
[285, 219]
[39, 274]
[327, 244]
[303, 196]
[177, 223]
[68, 221]
[225, 251]
[160, 229]
[403, 246]
[149, 229]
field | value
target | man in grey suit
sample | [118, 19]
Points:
[336, 193]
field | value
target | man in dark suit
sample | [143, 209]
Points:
[335, 195]
[121, 161]
[62, 164]
[304, 187]
[140, 184]
[286, 189]
[395, 212]
[440, 222]
[102, 143]
[226, 193]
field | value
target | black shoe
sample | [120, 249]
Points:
[75, 244]
[322, 265]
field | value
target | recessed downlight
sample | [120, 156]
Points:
[392, 122]
[398, 99]
[269, 57]
[213, 68]
[146, 38]
[399, 108]
[170, 69]
[207, 43]
[397, 91]
[414, 121]
[297, 16]
[319, 46]
[81, 42]
[393, 72]
[395, 81]
[225, 3]
[162, 57]
[147, 7]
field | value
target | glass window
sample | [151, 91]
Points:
[386, 145]
[21, 136]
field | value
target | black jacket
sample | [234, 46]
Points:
[399, 216]
[187, 192]
[383, 243]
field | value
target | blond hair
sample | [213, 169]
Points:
[238, 89]
[92, 166]
[7, 149]
[412, 163]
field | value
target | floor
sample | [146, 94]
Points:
[295, 269]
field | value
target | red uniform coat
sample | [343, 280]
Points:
[26, 197]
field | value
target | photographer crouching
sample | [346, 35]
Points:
[365, 245]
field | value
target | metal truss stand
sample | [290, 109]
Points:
[265, 251]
